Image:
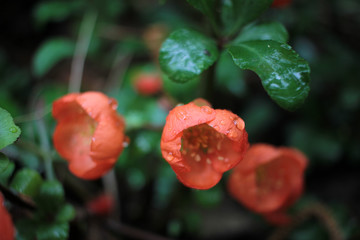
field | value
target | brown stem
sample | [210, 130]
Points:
[18, 199]
[317, 210]
[133, 233]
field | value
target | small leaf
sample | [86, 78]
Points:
[51, 195]
[185, 54]
[228, 76]
[50, 53]
[207, 7]
[4, 162]
[9, 132]
[6, 173]
[267, 31]
[284, 74]
[237, 13]
[66, 213]
[27, 181]
[54, 11]
[55, 231]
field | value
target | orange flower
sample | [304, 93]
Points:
[7, 231]
[269, 180]
[280, 3]
[148, 83]
[89, 134]
[201, 143]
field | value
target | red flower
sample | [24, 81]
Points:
[148, 83]
[269, 180]
[7, 231]
[280, 3]
[201, 143]
[101, 205]
[89, 134]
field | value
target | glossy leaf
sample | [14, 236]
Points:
[9, 132]
[185, 54]
[267, 31]
[237, 13]
[284, 74]
[50, 53]
[27, 181]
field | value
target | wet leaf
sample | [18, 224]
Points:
[267, 31]
[185, 54]
[9, 132]
[237, 13]
[284, 74]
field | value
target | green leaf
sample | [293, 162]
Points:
[185, 54]
[54, 11]
[27, 181]
[51, 195]
[237, 13]
[5, 175]
[50, 53]
[182, 92]
[55, 231]
[207, 7]
[66, 213]
[9, 132]
[4, 162]
[228, 76]
[284, 74]
[267, 31]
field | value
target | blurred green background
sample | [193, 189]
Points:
[38, 40]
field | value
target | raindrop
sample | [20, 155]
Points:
[222, 122]
[207, 109]
[13, 130]
[239, 124]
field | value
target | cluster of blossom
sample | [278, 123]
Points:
[200, 144]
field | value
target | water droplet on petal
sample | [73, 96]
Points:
[239, 124]
[181, 115]
[207, 109]
[13, 129]
[222, 122]
[170, 156]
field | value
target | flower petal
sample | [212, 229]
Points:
[96, 103]
[201, 176]
[183, 117]
[66, 106]
[108, 139]
[72, 136]
[88, 169]
[7, 229]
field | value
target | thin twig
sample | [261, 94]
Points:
[45, 146]
[111, 187]
[118, 69]
[133, 233]
[18, 199]
[39, 113]
[317, 210]
[82, 45]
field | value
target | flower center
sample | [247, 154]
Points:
[202, 143]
